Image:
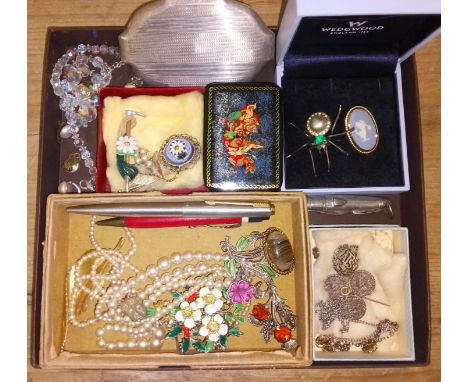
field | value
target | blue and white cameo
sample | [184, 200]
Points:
[362, 129]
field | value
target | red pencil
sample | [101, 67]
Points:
[172, 221]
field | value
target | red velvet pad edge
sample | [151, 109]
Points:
[102, 184]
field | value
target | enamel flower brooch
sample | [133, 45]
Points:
[205, 320]
[142, 169]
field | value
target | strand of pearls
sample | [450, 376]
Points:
[148, 331]
[149, 286]
[119, 262]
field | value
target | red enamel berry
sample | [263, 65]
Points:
[186, 332]
[192, 297]
[282, 334]
[260, 312]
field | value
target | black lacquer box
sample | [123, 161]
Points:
[243, 131]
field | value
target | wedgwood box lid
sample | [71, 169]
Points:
[399, 26]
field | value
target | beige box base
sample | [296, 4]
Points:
[393, 287]
[63, 346]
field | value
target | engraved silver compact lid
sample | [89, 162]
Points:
[193, 42]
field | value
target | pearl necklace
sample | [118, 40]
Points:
[110, 290]
[198, 299]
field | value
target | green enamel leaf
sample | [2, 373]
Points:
[228, 318]
[175, 294]
[230, 134]
[268, 270]
[223, 341]
[239, 308]
[174, 332]
[185, 345]
[209, 346]
[234, 332]
[150, 312]
[243, 243]
[240, 318]
[234, 115]
[230, 267]
[199, 347]
[224, 291]
[126, 169]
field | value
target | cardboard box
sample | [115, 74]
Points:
[66, 240]
[390, 254]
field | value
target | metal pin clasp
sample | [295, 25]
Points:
[130, 113]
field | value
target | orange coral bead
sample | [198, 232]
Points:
[282, 334]
[260, 312]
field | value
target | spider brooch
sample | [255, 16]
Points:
[316, 129]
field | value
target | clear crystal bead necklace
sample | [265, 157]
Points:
[77, 78]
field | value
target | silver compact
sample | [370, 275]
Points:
[193, 43]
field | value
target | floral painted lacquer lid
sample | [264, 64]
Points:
[243, 143]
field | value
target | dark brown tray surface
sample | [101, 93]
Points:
[409, 207]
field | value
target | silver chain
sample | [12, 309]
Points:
[116, 65]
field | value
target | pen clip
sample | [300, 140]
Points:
[259, 204]
[233, 225]
[368, 211]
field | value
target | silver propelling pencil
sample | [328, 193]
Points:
[349, 204]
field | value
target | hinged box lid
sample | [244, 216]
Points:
[389, 30]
